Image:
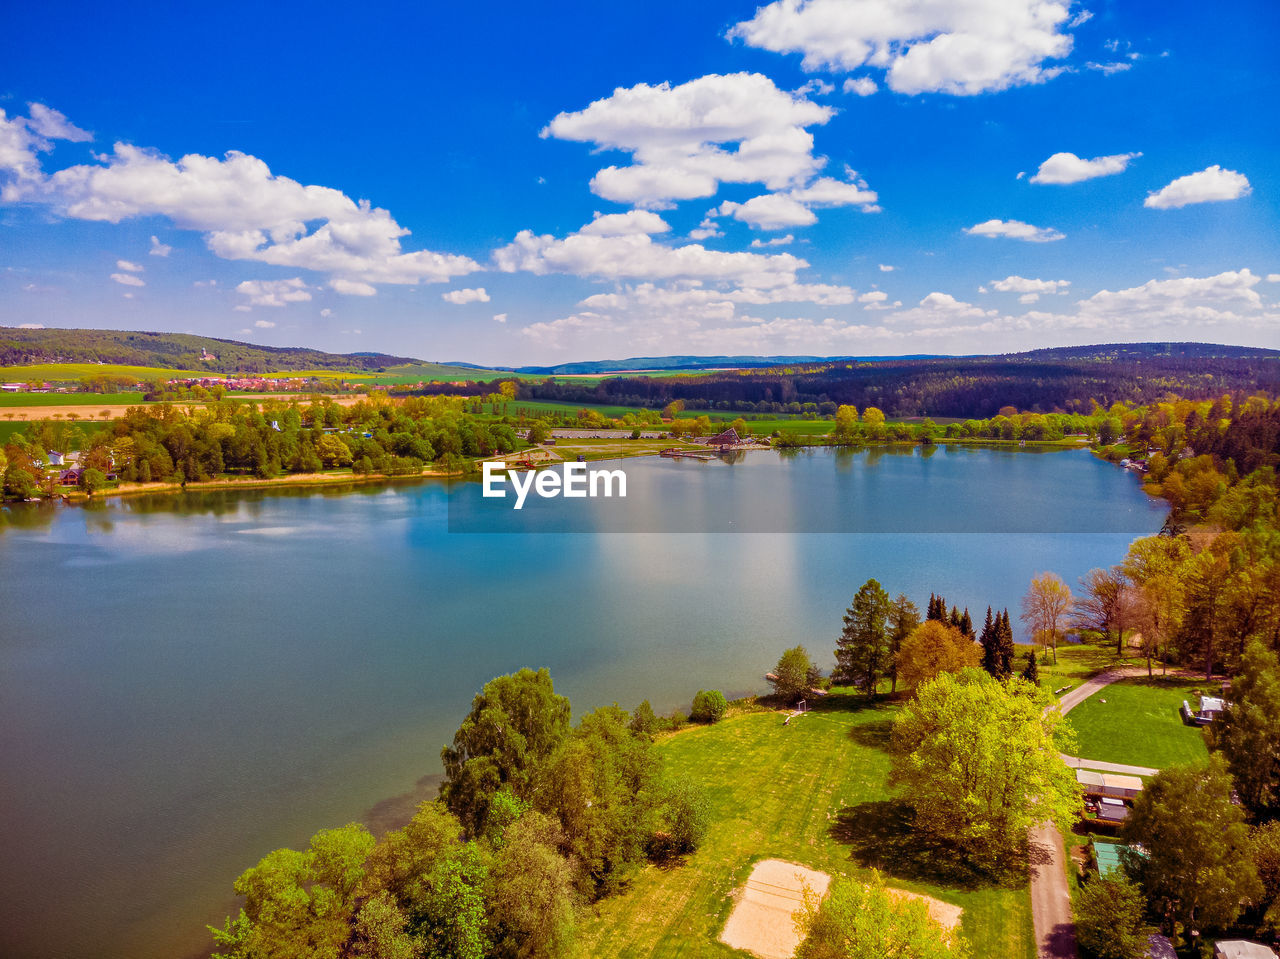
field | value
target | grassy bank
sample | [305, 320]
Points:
[813, 792]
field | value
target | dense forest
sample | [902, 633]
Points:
[178, 351]
[1069, 380]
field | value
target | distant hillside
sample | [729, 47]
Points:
[694, 363]
[1069, 379]
[177, 351]
[1137, 352]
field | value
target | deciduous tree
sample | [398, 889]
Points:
[1198, 868]
[933, 648]
[980, 761]
[792, 673]
[1044, 609]
[864, 920]
[515, 722]
[1110, 918]
[709, 706]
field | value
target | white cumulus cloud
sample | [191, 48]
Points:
[776, 211]
[22, 138]
[1209, 185]
[625, 224]
[961, 47]
[274, 292]
[352, 287]
[127, 265]
[1069, 168]
[47, 122]
[688, 139]
[499, 317]
[1016, 230]
[245, 211]
[1020, 284]
[158, 248]
[639, 256]
[862, 86]
[264, 324]
[774, 241]
[128, 279]
[462, 297]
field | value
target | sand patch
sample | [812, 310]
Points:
[762, 921]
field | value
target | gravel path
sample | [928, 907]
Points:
[1050, 897]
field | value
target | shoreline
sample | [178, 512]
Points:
[73, 495]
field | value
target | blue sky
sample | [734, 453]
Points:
[531, 183]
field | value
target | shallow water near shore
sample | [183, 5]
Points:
[190, 681]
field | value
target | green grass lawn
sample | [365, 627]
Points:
[1139, 723]
[1076, 663]
[9, 400]
[813, 792]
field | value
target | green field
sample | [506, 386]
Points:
[412, 373]
[12, 400]
[1136, 721]
[73, 372]
[7, 431]
[813, 792]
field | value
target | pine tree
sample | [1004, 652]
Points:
[990, 643]
[1032, 671]
[1005, 645]
[902, 621]
[966, 624]
[937, 608]
[862, 651]
[955, 618]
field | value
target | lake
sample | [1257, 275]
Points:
[191, 681]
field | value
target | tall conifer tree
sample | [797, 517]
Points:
[990, 642]
[862, 651]
[1007, 650]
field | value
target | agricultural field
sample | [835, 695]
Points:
[13, 400]
[74, 372]
[1136, 721]
[813, 792]
[436, 372]
[9, 430]
[536, 408]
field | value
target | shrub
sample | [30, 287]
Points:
[685, 816]
[708, 706]
[643, 720]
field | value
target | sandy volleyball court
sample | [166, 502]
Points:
[762, 921]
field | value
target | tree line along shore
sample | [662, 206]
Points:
[291, 441]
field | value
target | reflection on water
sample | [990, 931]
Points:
[193, 680]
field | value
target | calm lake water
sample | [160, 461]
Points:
[187, 682]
